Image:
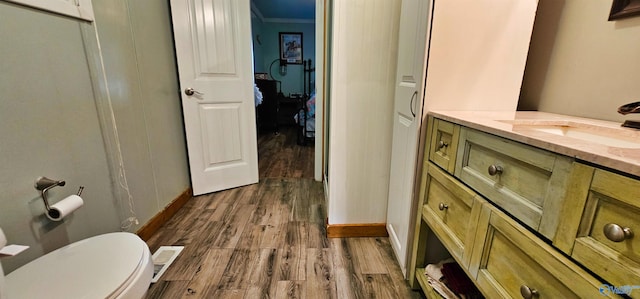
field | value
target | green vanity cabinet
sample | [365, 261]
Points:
[521, 220]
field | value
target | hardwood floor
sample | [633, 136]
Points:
[280, 155]
[268, 240]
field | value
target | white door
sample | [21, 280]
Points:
[214, 53]
[414, 22]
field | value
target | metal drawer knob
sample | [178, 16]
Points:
[528, 293]
[442, 144]
[442, 206]
[617, 233]
[495, 169]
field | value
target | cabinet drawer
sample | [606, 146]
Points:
[451, 210]
[527, 182]
[612, 200]
[444, 144]
[507, 257]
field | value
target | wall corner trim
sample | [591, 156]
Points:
[152, 226]
[357, 230]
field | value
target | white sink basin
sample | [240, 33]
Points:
[605, 135]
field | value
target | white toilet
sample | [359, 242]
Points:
[114, 265]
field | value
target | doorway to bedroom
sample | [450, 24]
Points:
[284, 48]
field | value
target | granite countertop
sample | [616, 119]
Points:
[600, 142]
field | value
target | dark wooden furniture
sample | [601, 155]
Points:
[267, 112]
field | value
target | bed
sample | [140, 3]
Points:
[306, 119]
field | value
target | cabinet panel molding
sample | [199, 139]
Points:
[530, 185]
[510, 257]
[613, 199]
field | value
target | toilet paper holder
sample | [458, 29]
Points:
[43, 184]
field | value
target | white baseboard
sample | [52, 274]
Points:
[397, 249]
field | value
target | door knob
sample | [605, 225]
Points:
[495, 169]
[528, 293]
[443, 206]
[190, 91]
[617, 233]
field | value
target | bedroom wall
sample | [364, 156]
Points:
[581, 64]
[256, 32]
[363, 63]
[292, 82]
[53, 102]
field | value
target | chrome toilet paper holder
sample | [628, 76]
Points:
[43, 184]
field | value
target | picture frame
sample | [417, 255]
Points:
[624, 9]
[291, 47]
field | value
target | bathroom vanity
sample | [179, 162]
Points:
[531, 204]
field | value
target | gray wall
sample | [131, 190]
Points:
[56, 122]
[579, 63]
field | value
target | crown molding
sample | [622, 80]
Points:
[300, 21]
[257, 12]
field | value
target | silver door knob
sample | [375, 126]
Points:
[527, 292]
[443, 206]
[495, 169]
[190, 91]
[442, 144]
[617, 233]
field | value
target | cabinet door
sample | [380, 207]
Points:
[507, 258]
[613, 203]
[451, 210]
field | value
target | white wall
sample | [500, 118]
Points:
[581, 64]
[364, 50]
[477, 54]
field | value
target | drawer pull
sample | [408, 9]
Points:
[495, 169]
[528, 293]
[442, 144]
[442, 206]
[617, 233]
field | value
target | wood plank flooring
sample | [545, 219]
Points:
[280, 156]
[268, 240]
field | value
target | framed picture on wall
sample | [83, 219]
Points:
[291, 47]
[624, 9]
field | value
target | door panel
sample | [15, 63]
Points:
[414, 20]
[213, 47]
[221, 130]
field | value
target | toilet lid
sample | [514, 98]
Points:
[91, 268]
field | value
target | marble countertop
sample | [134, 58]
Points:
[601, 142]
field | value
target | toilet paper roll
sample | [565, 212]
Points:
[64, 207]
